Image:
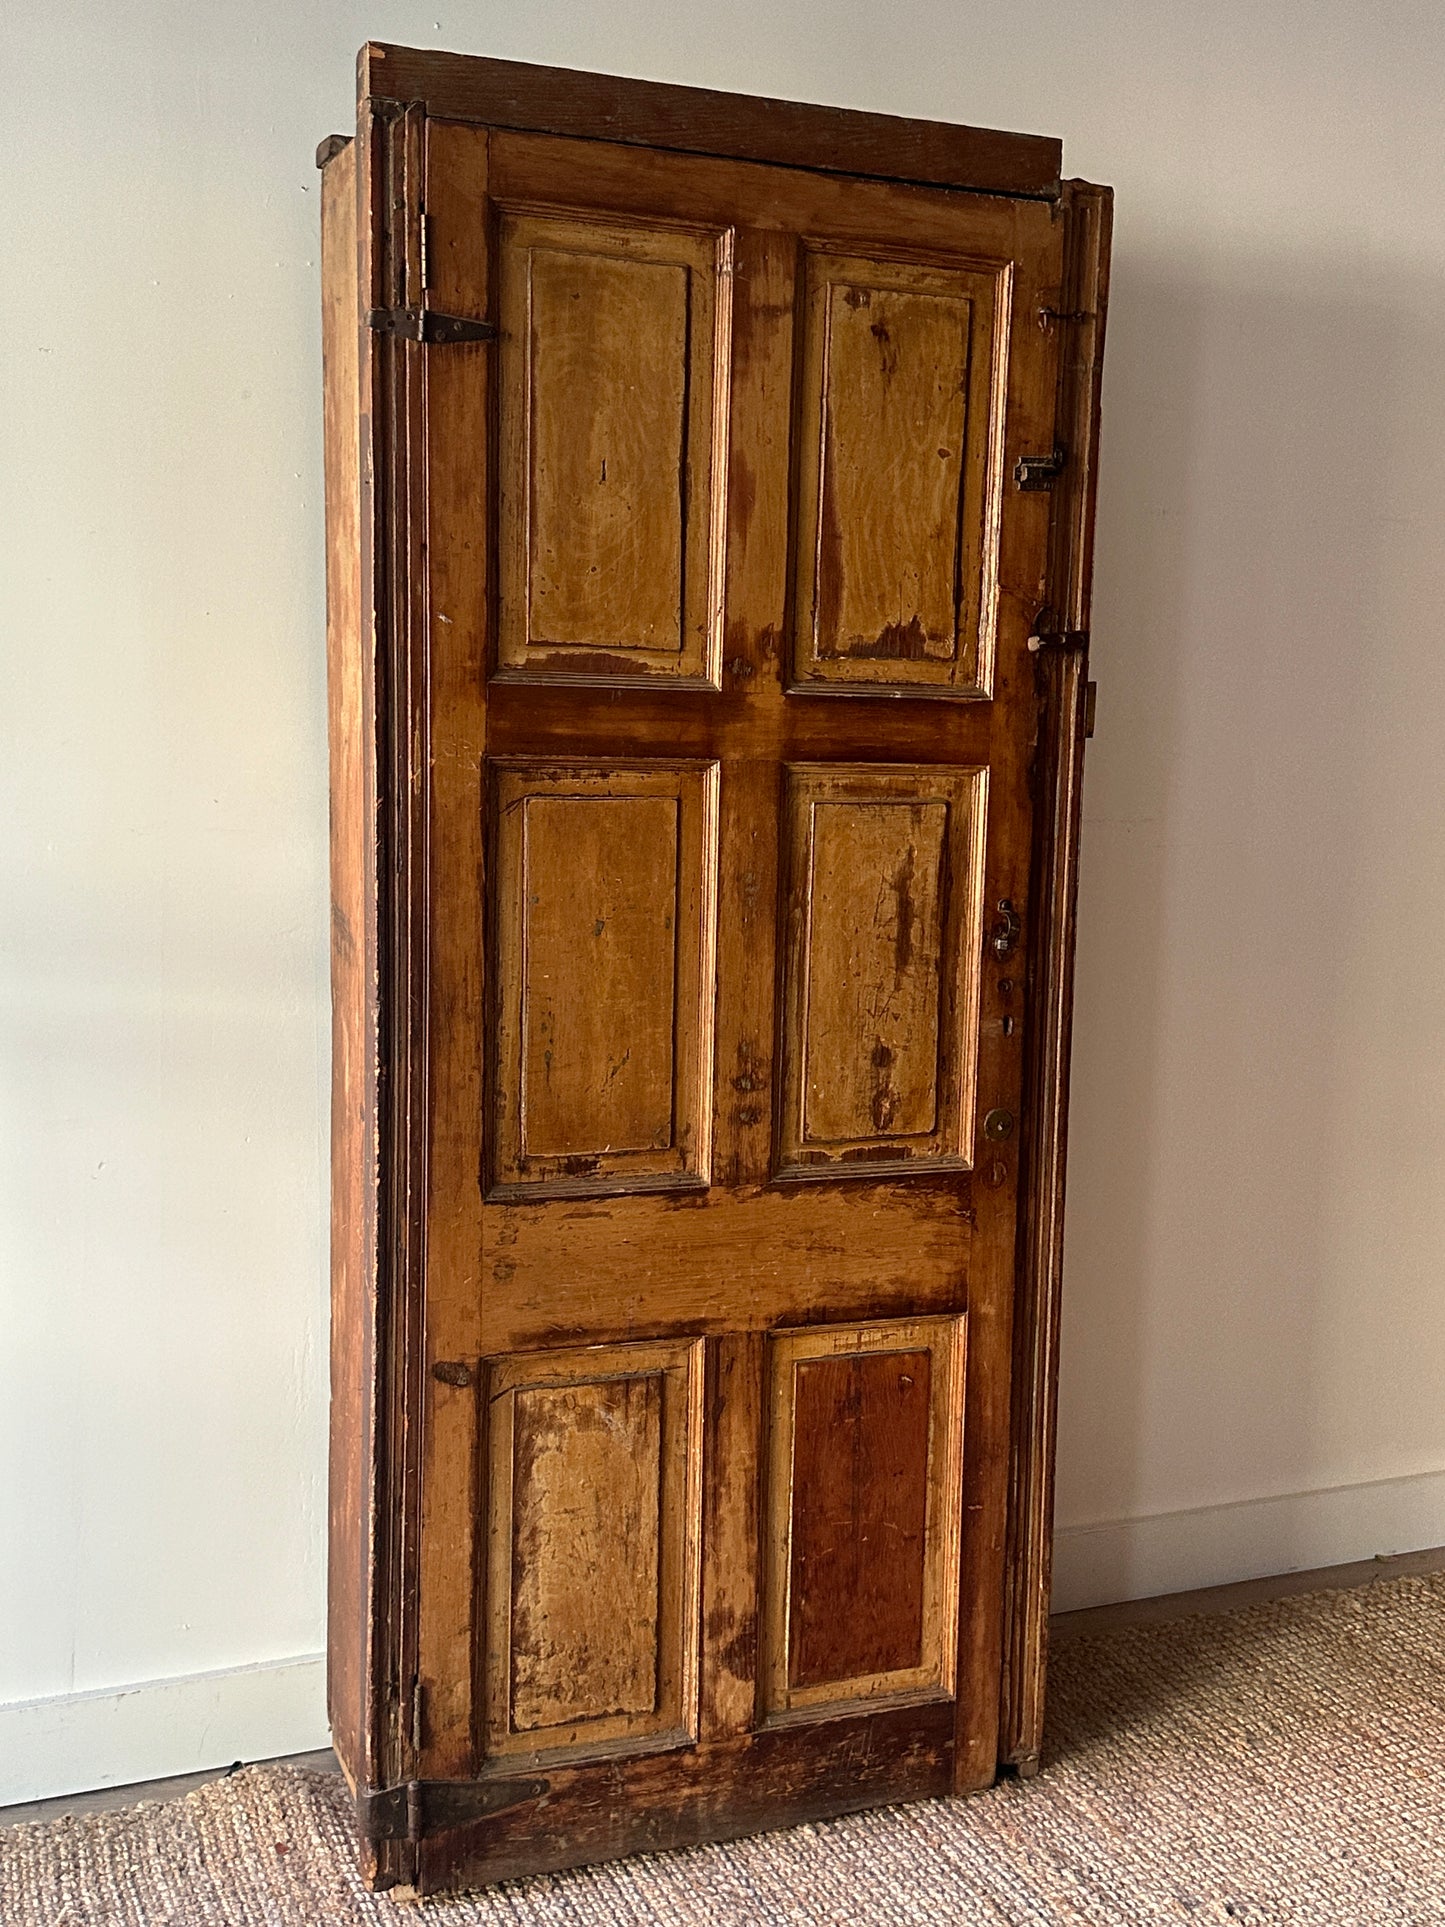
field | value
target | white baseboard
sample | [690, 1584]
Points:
[1097, 1565]
[75, 1742]
[159, 1728]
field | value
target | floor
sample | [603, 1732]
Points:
[1096, 1619]
[1277, 1765]
[108, 1799]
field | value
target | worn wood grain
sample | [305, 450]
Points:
[862, 1521]
[384, 1245]
[859, 1516]
[869, 1058]
[613, 393]
[881, 987]
[605, 930]
[744, 1783]
[746, 1259]
[351, 722]
[731, 1534]
[457, 580]
[1088, 212]
[606, 107]
[900, 432]
[586, 1539]
[394, 468]
[886, 219]
[594, 1462]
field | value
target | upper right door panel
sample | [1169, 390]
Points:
[901, 432]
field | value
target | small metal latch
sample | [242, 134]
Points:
[1046, 634]
[1035, 473]
[1005, 934]
[425, 324]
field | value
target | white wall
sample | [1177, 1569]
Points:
[1255, 1309]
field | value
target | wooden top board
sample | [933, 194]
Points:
[696, 120]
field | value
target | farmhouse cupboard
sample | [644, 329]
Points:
[709, 496]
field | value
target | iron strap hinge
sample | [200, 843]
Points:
[425, 324]
[416, 1809]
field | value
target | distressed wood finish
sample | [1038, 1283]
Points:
[862, 1514]
[701, 765]
[881, 986]
[743, 1261]
[605, 931]
[1085, 299]
[900, 444]
[455, 987]
[611, 564]
[354, 1064]
[749, 1783]
[595, 1468]
[606, 107]
[858, 1520]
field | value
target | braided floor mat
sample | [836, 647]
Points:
[1285, 1764]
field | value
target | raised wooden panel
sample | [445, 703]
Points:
[862, 1533]
[586, 1461]
[881, 985]
[613, 393]
[604, 939]
[594, 1462]
[853, 1613]
[900, 455]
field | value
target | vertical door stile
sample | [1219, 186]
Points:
[456, 575]
[1087, 212]
[1025, 376]
[389, 142]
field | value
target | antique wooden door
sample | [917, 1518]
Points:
[724, 580]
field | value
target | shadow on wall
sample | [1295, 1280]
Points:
[1249, 1260]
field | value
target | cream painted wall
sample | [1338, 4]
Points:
[1252, 1372]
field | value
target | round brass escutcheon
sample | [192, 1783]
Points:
[998, 1124]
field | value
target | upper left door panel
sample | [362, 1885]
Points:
[612, 405]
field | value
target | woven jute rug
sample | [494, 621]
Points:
[1282, 1765]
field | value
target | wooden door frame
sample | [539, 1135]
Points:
[1088, 213]
[379, 1261]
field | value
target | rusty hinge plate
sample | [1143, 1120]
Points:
[426, 324]
[417, 1809]
[1035, 473]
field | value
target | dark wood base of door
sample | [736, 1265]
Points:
[577, 1815]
